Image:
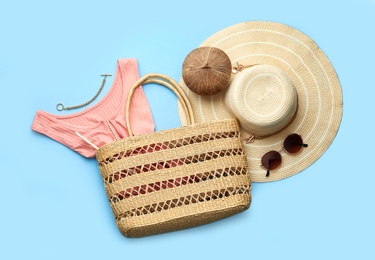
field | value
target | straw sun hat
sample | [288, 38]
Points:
[293, 88]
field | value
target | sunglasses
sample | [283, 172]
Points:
[292, 144]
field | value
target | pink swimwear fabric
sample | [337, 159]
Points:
[105, 121]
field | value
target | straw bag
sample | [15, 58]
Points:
[178, 178]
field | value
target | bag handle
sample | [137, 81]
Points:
[167, 82]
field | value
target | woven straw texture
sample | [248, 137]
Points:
[178, 178]
[263, 99]
[315, 113]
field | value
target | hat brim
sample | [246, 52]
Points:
[319, 111]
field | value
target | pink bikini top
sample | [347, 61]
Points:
[103, 122]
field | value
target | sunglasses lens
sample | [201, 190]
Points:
[293, 143]
[271, 160]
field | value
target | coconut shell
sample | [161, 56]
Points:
[207, 71]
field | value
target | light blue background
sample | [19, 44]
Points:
[53, 205]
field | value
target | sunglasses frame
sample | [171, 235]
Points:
[292, 144]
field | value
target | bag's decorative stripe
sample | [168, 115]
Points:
[168, 145]
[189, 199]
[172, 163]
[181, 181]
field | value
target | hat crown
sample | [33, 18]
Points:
[263, 98]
